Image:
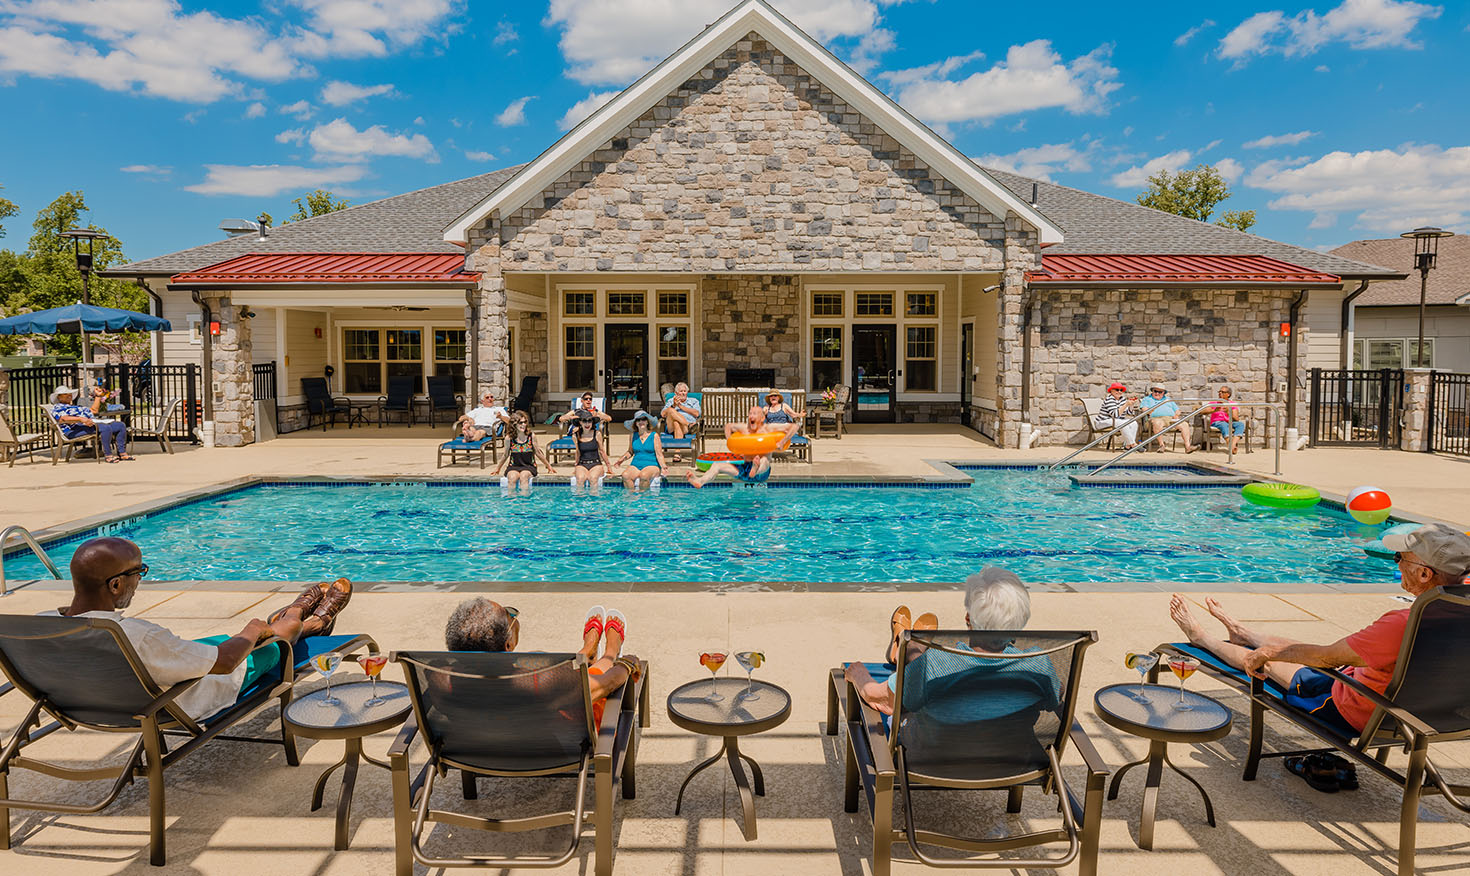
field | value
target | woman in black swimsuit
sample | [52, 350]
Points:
[780, 417]
[591, 460]
[519, 465]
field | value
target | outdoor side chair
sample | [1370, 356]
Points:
[443, 398]
[13, 445]
[84, 673]
[1092, 407]
[998, 717]
[320, 403]
[511, 715]
[155, 425]
[692, 444]
[60, 444]
[1424, 705]
[524, 398]
[398, 400]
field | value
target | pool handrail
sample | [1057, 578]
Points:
[1273, 422]
[30, 542]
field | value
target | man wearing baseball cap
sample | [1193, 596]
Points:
[1431, 556]
[1116, 411]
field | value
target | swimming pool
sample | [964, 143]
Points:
[1033, 522]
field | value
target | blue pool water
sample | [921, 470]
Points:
[1032, 522]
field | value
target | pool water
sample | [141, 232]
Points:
[1032, 522]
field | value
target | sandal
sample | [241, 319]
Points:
[617, 623]
[927, 621]
[596, 620]
[900, 620]
[1347, 774]
[307, 600]
[334, 599]
[1322, 777]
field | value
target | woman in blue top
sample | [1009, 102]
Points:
[780, 417]
[646, 453]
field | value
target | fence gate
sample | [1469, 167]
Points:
[1449, 413]
[1356, 408]
[147, 387]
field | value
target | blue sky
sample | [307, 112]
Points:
[1335, 121]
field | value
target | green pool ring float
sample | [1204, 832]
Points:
[1283, 496]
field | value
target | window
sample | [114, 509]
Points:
[578, 303]
[921, 304]
[1374, 353]
[580, 353]
[874, 304]
[826, 304]
[673, 353]
[919, 353]
[625, 303]
[405, 355]
[361, 362]
[449, 355]
[1418, 359]
[673, 303]
[826, 356]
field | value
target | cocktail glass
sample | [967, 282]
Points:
[1142, 662]
[713, 660]
[750, 661]
[327, 664]
[1183, 667]
[373, 665]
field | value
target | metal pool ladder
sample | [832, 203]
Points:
[30, 542]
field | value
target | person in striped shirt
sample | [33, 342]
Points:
[1116, 409]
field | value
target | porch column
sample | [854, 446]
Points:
[1021, 255]
[494, 323]
[231, 382]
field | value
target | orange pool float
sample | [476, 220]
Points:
[760, 443]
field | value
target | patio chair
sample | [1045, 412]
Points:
[1000, 720]
[835, 415]
[84, 673]
[399, 398]
[12, 445]
[320, 403]
[564, 447]
[801, 446]
[1092, 407]
[61, 444]
[443, 398]
[692, 444]
[543, 726]
[154, 425]
[527, 395]
[1210, 437]
[1423, 706]
[459, 446]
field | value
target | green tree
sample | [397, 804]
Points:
[1194, 194]
[316, 203]
[7, 209]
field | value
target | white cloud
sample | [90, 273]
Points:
[873, 44]
[419, 120]
[338, 140]
[294, 135]
[1362, 24]
[354, 28]
[478, 155]
[505, 33]
[584, 108]
[339, 93]
[263, 180]
[1322, 68]
[1271, 140]
[1389, 190]
[1138, 174]
[255, 110]
[1230, 169]
[147, 169]
[615, 43]
[514, 112]
[1193, 32]
[300, 109]
[1033, 76]
[1043, 162]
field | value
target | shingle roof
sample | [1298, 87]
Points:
[1098, 225]
[411, 222]
[1448, 280]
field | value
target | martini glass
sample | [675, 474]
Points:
[750, 661]
[713, 660]
[327, 664]
[1183, 667]
[1142, 662]
[373, 665]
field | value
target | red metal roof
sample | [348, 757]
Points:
[1144, 270]
[297, 268]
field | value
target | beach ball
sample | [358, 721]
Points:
[1369, 505]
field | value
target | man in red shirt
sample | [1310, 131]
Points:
[1428, 557]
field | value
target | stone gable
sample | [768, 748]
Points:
[750, 166]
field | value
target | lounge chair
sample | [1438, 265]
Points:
[442, 398]
[398, 400]
[13, 445]
[800, 446]
[1423, 706]
[321, 404]
[542, 726]
[60, 444]
[469, 448]
[1000, 725]
[154, 425]
[564, 448]
[84, 673]
[692, 444]
[527, 395]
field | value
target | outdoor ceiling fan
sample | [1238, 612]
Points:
[397, 307]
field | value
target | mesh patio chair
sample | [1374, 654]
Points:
[60, 444]
[978, 711]
[527, 395]
[13, 445]
[155, 425]
[443, 398]
[84, 673]
[1427, 703]
[835, 415]
[516, 716]
[399, 399]
[321, 404]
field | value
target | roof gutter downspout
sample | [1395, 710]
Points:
[154, 344]
[1293, 317]
[207, 390]
[471, 300]
[1345, 333]
[1028, 300]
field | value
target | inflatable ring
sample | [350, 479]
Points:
[706, 460]
[746, 444]
[1286, 496]
[1375, 547]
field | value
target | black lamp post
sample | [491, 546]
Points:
[80, 238]
[1426, 252]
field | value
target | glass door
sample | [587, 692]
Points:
[874, 378]
[967, 369]
[625, 375]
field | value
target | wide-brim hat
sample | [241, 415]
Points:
[61, 390]
[632, 423]
[1116, 385]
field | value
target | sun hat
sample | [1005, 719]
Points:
[631, 424]
[1116, 385]
[1442, 548]
[1158, 386]
[61, 390]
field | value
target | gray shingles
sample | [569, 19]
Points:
[1448, 281]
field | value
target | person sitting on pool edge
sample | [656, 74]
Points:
[1163, 413]
[681, 413]
[521, 453]
[106, 573]
[75, 421]
[1428, 557]
[780, 417]
[995, 599]
[754, 469]
[481, 624]
[645, 456]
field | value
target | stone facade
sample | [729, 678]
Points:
[927, 412]
[752, 321]
[533, 346]
[233, 381]
[1414, 434]
[1022, 254]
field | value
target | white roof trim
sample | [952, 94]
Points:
[752, 15]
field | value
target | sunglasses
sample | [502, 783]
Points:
[1400, 557]
[511, 612]
[141, 570]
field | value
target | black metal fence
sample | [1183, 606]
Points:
[29, 389]
[1449, 413]
[141, 388]
[1356, 408]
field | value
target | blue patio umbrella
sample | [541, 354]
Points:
[77, 318]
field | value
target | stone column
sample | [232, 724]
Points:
[534, 352]
[494, 313]
[1022, 254]
[232, 381]
[1415, 433]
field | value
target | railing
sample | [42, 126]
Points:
[1449, 413]
[29, 389]
[146, 386]
[265, 380]
[1273, 428]
[30, 542]
[1355, 408]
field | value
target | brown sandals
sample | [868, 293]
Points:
[335, 597]
[307, 601]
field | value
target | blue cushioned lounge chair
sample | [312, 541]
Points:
[564, 448]
[692, 444]
[468, 448]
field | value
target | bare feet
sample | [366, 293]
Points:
[1236, 633]
[1179, 613]
[693, 479]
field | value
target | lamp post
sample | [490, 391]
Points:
[1426, 252]
[80, 238]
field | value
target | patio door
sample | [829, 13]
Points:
[874, 378]
[967, 370]
[625, 369]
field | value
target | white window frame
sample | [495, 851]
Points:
[899, 320]
[1360, 352]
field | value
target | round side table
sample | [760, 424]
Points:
[350, 719]
[733, 715]
[1148, 711]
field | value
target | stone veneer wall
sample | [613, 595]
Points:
[751, 321]
[1191, 340]
[233, 381]
[534, 348]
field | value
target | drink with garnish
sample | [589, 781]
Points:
[1183, 667]
[373, 665]
[713, 660]
[750, 661]
[327, 664]
[1142, 661]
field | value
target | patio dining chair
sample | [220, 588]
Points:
[443, 398]
[84, 673]
[399, 398]
[155, 425]
[13, 444]
[527, 395]
[543, 726]
[62, 445]
[979, 711]
[1423, 707]
[836, 415]
[321, 404]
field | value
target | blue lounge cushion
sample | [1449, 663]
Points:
[305, 650]
[1210, 660]
[461, 444]
[669, 441]
[800, 441]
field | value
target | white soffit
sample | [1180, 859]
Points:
[811, 56]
